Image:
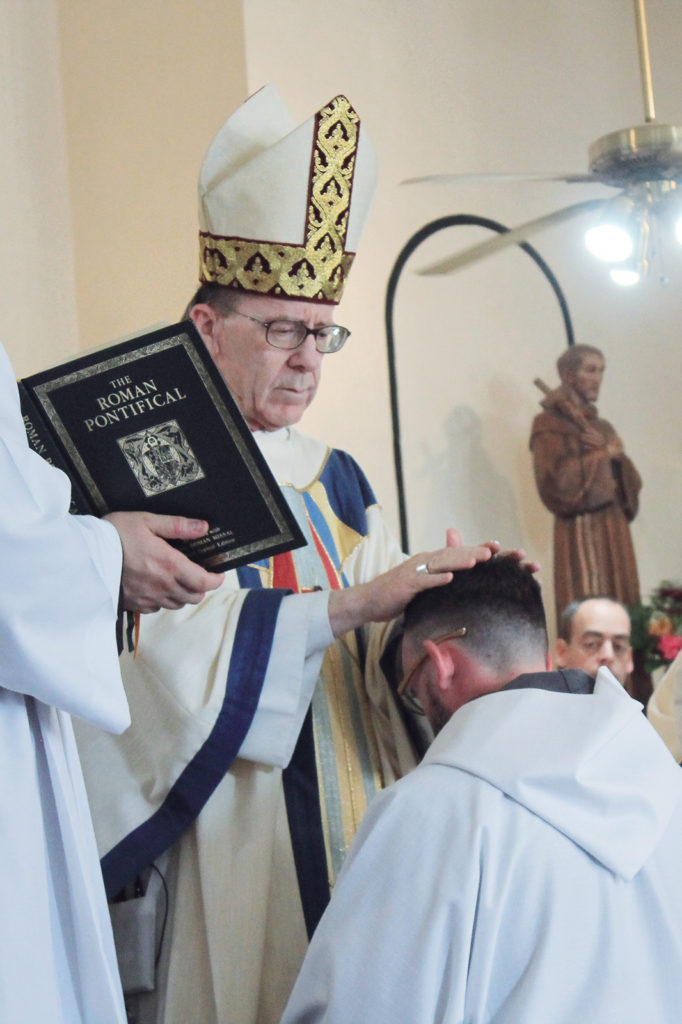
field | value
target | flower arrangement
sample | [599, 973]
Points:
[657, 626]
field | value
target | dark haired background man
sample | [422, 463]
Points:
[528, 869]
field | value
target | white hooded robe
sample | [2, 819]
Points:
[527, 872]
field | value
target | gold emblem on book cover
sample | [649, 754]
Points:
[160, 458]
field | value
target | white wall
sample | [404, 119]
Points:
[488, 85]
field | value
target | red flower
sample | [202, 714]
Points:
[670, 646]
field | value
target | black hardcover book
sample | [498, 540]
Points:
[148, 424]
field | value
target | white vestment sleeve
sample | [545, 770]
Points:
[302, 635]
[60, 583]
[61, 577]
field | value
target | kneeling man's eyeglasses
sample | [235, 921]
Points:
[405, 691]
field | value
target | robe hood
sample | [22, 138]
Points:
[589, 765]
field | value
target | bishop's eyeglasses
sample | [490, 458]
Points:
[291, 334]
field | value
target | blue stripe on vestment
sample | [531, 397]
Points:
[348, 490]
[322, 527]
[249, 578]
[248, 665]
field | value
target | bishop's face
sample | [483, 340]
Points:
[586, 380]
[273, 387]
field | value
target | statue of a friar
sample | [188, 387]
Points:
[585, 478]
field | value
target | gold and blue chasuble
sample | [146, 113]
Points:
[336, 768]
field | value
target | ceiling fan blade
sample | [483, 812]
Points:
[507, 238]
[469, 179]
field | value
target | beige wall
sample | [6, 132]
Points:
[146, 85]
[37, 284]
[108, 107]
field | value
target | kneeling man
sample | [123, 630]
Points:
[528, 869]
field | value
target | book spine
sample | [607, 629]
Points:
[41, 440]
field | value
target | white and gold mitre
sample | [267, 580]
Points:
[282, 208]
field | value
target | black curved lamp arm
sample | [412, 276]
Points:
[452, 220]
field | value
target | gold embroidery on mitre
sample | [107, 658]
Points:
[318, 269]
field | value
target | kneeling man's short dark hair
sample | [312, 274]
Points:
[498, 601]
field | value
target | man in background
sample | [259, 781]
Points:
[595, 632]
[585, 478]
[61, 577]
[528, 868]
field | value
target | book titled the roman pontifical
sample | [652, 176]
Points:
[148, 424]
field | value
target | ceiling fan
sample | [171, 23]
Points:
[643, 162]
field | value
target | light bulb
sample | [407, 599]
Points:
[625, 276]
[609, 242]
[678, 230]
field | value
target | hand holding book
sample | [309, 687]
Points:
[155, 575]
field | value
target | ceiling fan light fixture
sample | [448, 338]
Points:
[634, 269]
[643, 162]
